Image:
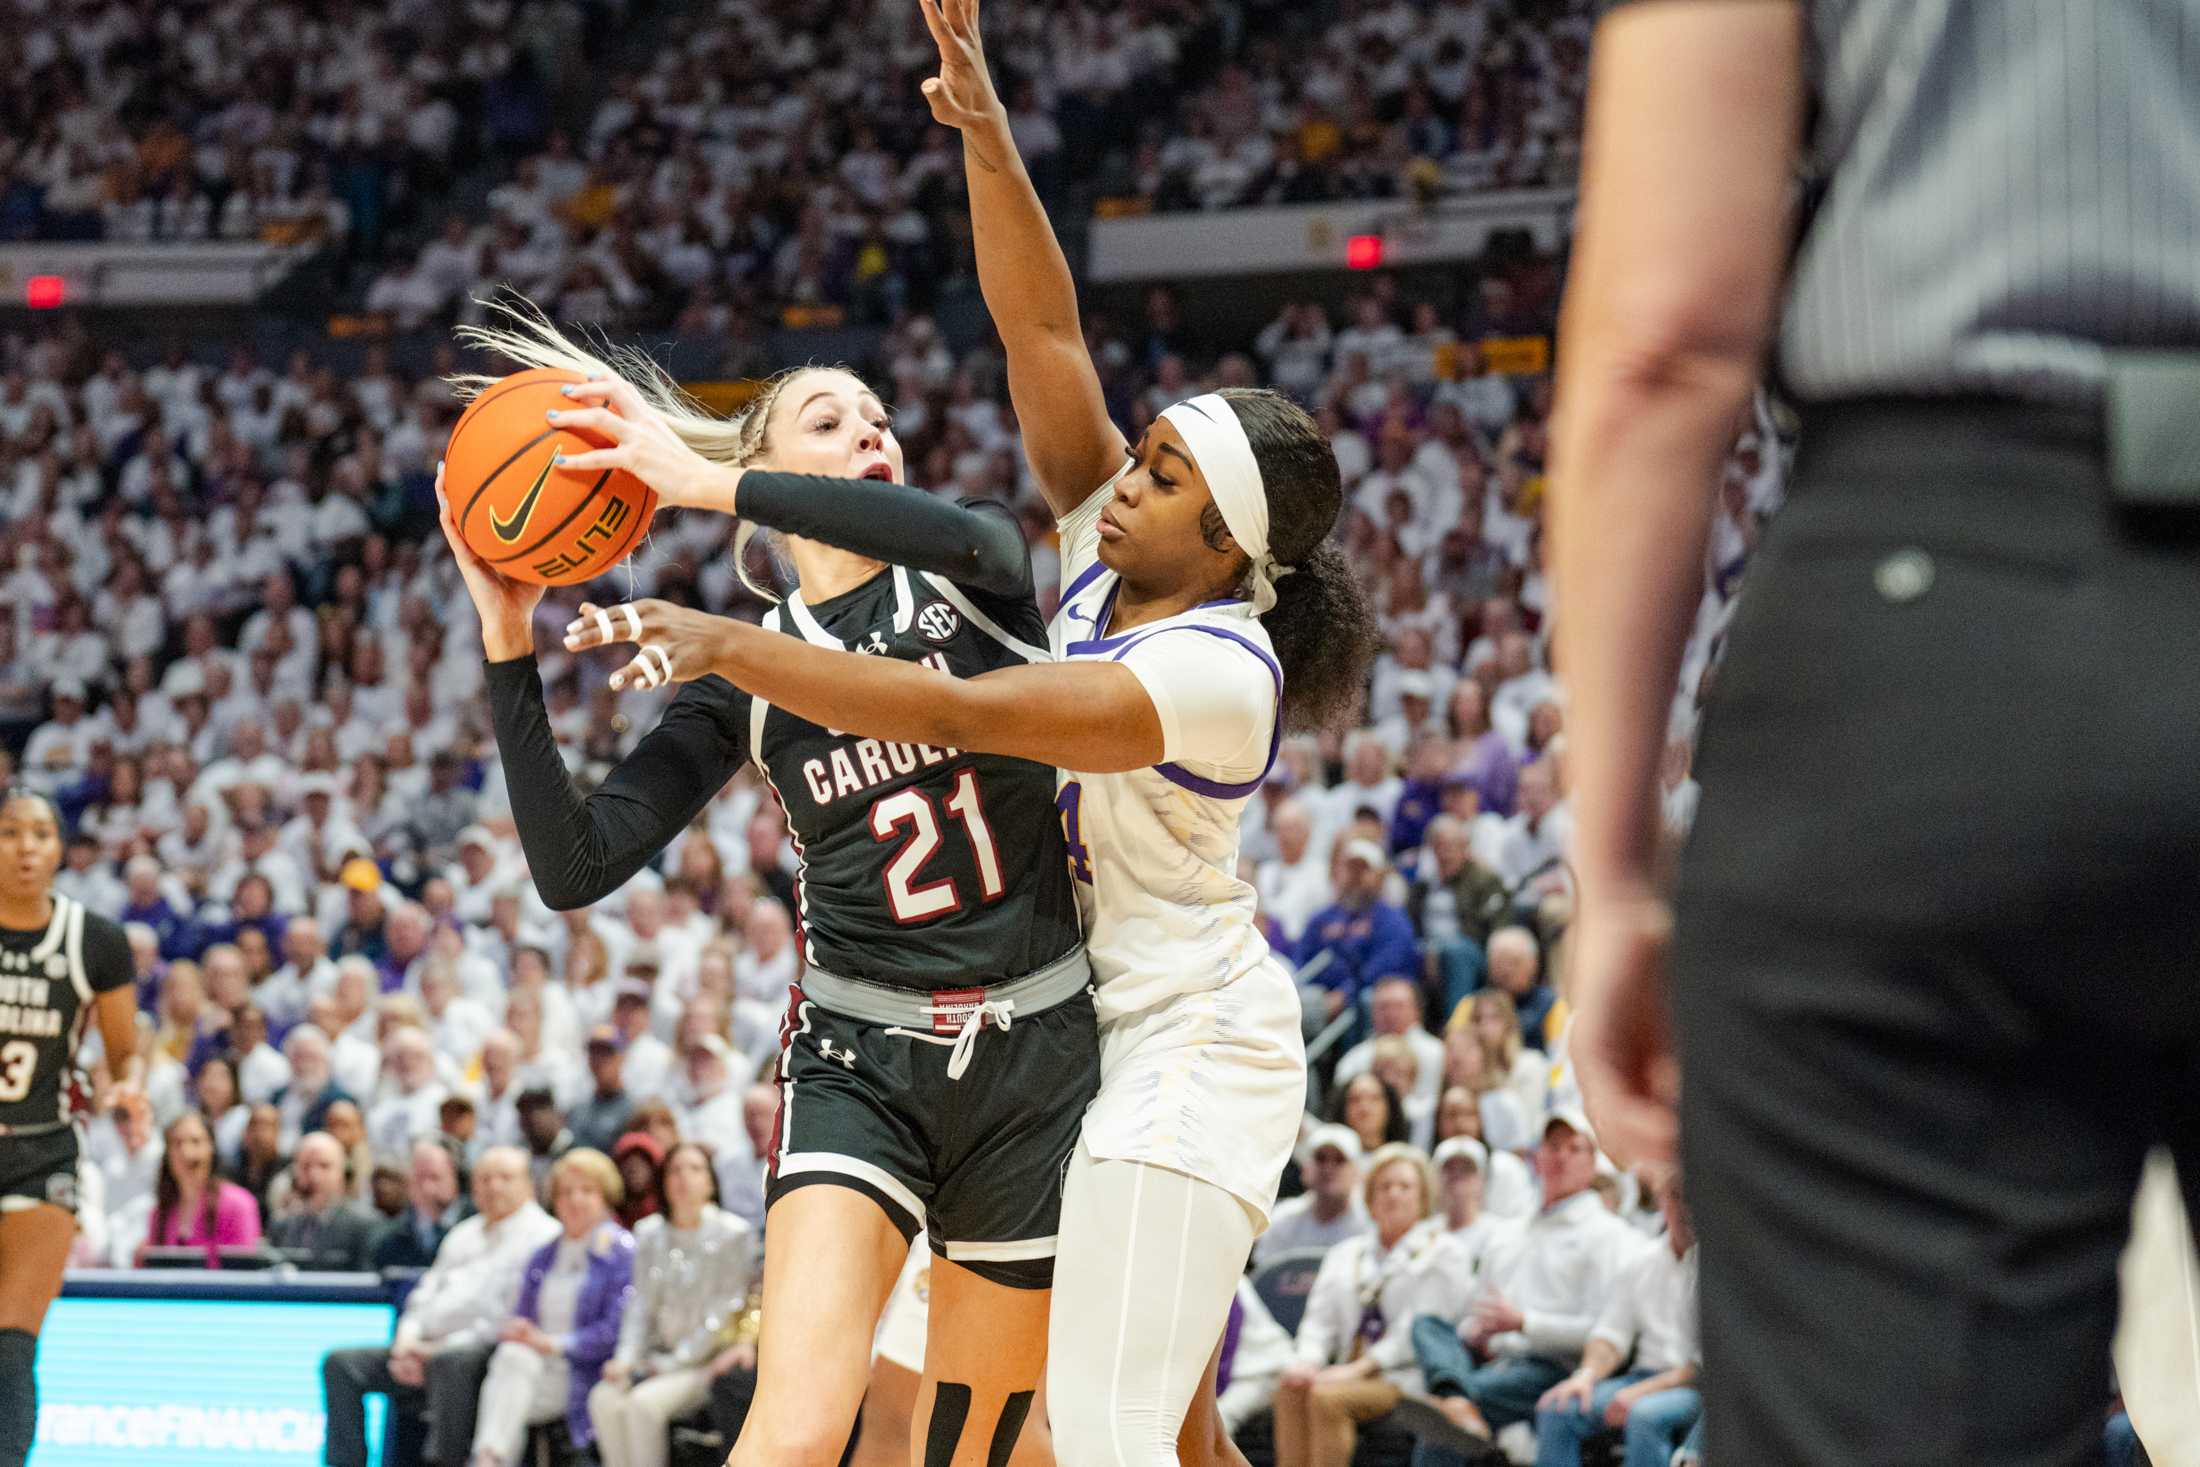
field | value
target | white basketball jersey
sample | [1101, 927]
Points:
[1155, 851]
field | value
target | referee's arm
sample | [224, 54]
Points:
[1694, 119]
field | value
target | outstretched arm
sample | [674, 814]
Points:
[1071, 442]
[1165, 698]
[1092, 716]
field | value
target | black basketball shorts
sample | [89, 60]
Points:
[976, 1162]
[40, 1168]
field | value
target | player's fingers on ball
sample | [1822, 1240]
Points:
[594, 458]
[595, 389]
[591, 419]
[626, 399]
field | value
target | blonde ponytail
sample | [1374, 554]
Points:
[518, 330]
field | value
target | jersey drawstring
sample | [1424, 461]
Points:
[965, 1041]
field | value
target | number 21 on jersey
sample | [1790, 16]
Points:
[913, 810]
[1069, 802]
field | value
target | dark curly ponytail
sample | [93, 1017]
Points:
[1322, 625]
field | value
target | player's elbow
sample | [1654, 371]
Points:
[565, 893]
[1687, 337]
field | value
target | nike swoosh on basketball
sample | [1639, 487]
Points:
[508, 530]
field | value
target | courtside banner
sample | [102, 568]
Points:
[153, 1382]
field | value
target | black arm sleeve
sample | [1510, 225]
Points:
[107, 960]
[973, 543]
[581, 850]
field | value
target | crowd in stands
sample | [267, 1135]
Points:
[770, 162]
[709, 193]
[262, 119]
[1384, 99]
[253, 687]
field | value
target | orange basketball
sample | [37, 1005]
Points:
[531, 521]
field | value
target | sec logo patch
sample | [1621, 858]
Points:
[938, 623]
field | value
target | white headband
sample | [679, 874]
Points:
[1225, 456]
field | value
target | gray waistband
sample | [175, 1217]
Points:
[36, 1128]
[875, 1003]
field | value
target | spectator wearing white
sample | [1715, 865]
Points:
[1544, 1282]
[346, 1017]
[1521, 685]
[479, 871]
[1416, 718]
[1462, 1167]
[496, 1099]
[303, 1103]
[61, 745]
[1394, 1008]
[1294, 883]
[1415, 652]
[451, 1317]
[129, 1159]
[1330, 1210]
[1649, 1326]
[544, 1064]
[694, 1268]
[1296, 347]
[257, 855]
[741, 1168]
[767, 963]
[285, 994]
[1354, 1346]
[648, 1061]
[1372, 335]
[1368, 784]
[262, 1072]
[318, 835]
[413, 1099]
[458, 1023]
[707, 1100]
[1492, 1025]
[1434, 511]
[1529, 849]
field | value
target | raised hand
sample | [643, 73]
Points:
[962, 95]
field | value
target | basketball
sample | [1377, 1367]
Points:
[527, 519]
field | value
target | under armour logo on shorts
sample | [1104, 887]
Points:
[61, 1190]
[847, 1057]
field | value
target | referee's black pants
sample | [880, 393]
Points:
[1937, 972]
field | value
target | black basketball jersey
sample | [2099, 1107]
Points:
[921, 867]
[47, 980]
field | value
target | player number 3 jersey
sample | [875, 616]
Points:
[48, 978]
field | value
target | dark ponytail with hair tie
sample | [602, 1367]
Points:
[1322, 625]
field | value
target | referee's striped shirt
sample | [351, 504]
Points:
[2009, 186]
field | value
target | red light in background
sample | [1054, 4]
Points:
[44, 292]
[1363, 252]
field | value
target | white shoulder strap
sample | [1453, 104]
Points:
[984, 623]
